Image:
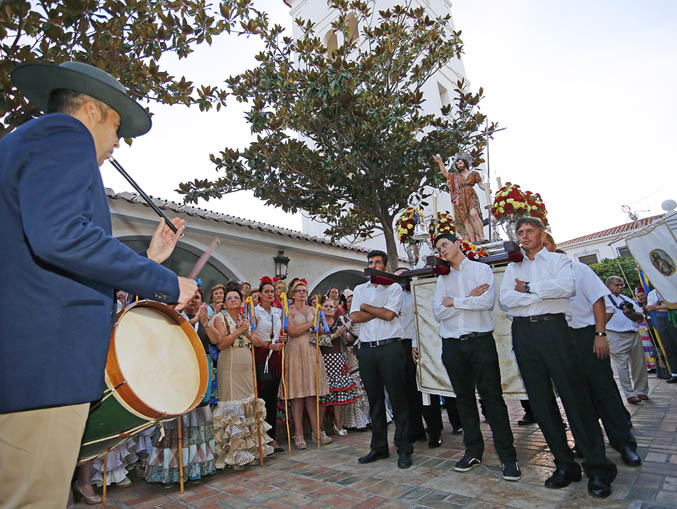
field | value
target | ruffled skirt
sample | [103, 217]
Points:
[342, 387]
[122, 459]
[356, 414]
[197, 448]
[236, 433]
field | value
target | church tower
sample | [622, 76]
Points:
[438, 91]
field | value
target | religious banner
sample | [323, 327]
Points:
[655, 250]
[431, 374]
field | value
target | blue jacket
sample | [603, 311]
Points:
[59, 266]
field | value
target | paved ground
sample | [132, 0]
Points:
[331, 477]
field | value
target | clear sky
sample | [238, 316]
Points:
[585, 89]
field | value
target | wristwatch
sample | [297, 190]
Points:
[603, 334]
[526, 287]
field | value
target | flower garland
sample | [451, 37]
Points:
[445, 224]
[471, 251]
[405, 224]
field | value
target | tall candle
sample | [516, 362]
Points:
[435, 205]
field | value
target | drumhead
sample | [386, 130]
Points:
[157, 360]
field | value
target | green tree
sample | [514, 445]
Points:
[125, 38]
[341, 133]
[623, 267]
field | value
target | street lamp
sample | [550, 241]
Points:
[281, 264]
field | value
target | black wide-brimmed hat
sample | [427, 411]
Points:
[37, 80]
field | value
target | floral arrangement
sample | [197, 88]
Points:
[536, 206]
[509, 203]
[405, 224]
[471, 251]
[445, 224]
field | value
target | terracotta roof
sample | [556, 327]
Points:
[227, 219]
[611, 232]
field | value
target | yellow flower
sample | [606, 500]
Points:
[410, 226]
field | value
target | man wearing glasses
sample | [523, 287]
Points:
[625, 343]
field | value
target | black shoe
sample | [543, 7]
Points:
[630, 456]
[671, 380]
[467, 463]
[457, 431]
[563, 477]
[599, 487]
[434, 442]
[512, 471]
[404, 461]
[373, 456]
[527, 420]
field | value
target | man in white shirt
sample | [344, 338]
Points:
[462, 304]
[625, 342]
[666, 330]
[382, 361]
[535, 293]
[587, 323]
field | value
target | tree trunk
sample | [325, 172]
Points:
[391, 246]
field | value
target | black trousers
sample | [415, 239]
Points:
[474, 363]
[432, 413]
[545, 354]
[668, 335]
[268, 393]
[383, 367]
[603, 390]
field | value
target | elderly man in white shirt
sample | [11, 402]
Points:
[587, 322]
[462, 304]
[535, 292]
[625, 342]
[382, 359]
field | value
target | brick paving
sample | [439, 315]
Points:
[331, 477]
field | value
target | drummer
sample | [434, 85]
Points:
[61, 259]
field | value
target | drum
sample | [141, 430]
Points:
[156, 370]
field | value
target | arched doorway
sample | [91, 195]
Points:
[342, 279]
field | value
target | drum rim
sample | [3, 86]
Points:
[115, 377]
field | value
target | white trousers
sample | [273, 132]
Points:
[627, 354]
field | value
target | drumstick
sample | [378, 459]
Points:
[256, 400]
[201, 262]
[179, 432]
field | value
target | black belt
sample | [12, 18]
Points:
[465, 337]
[380, 342]
[539, 318]
[622, 331]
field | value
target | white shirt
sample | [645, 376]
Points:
[267, 322]
[468, 314]
[654, 298]
[619, 322]
[551, 283]
[381, 296]
[589, 289]
[408, 318]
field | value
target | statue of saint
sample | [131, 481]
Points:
[467, 214]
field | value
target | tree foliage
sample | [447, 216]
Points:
[342, 134]
[623, 267]
[126, 38]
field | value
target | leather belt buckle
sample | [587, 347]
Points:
[533, 319]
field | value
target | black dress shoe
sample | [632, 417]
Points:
[562, 477]
[373, 456]
[527, 420]
[434, 442]
[599, 487]
[404, 461]
[671, 380]
[630, 456]
[457, 431]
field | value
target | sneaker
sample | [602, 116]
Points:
[511, 471]
[467, 463]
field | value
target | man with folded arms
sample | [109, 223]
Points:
[462, 304]
[382, 358]
[587, 324]
[535, 293]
